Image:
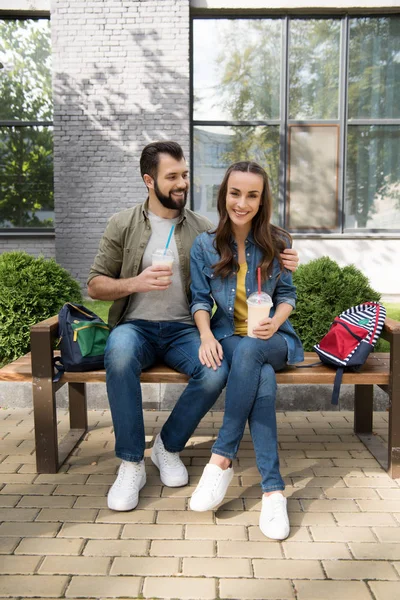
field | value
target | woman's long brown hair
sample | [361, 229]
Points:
[271, 239]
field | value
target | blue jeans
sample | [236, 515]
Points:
[250, 395]
[136, 345]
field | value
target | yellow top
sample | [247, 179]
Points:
[240, 308]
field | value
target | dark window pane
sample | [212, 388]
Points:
[373, 177]
[215, 148]
[237, 64]
[374, 68]
[25, 79]
[26, 177]
[313, 177]
[314, 58]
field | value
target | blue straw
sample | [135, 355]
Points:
[169, 238]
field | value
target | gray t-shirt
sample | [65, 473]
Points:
[168, 305]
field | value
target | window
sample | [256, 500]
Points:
[26, 112]
[315, 101]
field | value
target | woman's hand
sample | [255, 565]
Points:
[210, 352]
[290, 259]
[266, 328]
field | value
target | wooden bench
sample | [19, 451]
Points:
[382, 369]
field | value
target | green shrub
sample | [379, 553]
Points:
[324, 290]
[31, 289]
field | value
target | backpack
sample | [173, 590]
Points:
[350, 339]
[82, 340]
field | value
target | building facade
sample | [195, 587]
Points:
[309, 90]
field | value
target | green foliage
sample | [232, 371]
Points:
[324, 290]
[100, 307]
[31, 289]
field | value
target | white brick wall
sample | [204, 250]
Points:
[121, 79]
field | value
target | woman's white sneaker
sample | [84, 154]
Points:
[211, 488]
[173, 472]
[274, 520]
[124, 493]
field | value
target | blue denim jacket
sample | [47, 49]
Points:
[206, 287]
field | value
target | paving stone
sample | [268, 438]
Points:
[183, 517]
[364, 519]
[71, 565]
[359, 569]
[33, 585]
[342, 534]
[388, 506]
[103, 587]
[90, 530]
[46, 501]
[24, 565]
[24, 489]
[387, 534]
[28, 529]
[252, 549]
[217, 567]
[288, 569]
[179, 587]
[334, 590]
[51, 546]
[146, 565]
[18, 514]
[182, 548]
[146, 532]
[73, 515]
[383, 590]
[297, 534]
[132, 516]
[376, 551]
[116, 548]
[215, 532]
[316, 550]
[81, 490]
[247, 589]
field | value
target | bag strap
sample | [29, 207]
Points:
[357, 337]
[57, 364]
[315, 364]
[336, 386]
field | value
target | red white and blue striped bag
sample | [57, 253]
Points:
[350, 339]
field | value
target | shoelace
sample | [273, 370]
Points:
[278, 508]
[210, 479]
[171, 459]
[123, 476]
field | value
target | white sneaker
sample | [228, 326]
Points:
[173, 472]
[124, 493]
[211, 488]
[274, 520]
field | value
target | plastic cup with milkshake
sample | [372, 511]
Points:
[259, 305]
[164, 257]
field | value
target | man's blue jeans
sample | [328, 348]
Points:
[250, 395]
[136, 345]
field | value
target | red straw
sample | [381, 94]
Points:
[259, 279]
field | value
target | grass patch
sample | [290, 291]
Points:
[100, 307]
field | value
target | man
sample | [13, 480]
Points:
[151, 319]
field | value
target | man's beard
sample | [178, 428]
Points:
[168, 201]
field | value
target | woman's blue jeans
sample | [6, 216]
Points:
[136, 345]
[250, 396]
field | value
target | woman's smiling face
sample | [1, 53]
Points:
[243, 198]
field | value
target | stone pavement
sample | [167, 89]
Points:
[58, 539]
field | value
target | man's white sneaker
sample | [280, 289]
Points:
[274, 520]
[124, 493]
[173, 472]
[211, 488]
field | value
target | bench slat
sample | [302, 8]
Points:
[375, 371]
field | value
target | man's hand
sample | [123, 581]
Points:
[210, 352]
[151, 279]
[266, 328]
[290, 259]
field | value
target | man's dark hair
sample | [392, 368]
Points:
[151, 156]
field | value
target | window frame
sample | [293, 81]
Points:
[284, 123]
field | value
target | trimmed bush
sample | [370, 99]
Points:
[31, 289]
[324, 290]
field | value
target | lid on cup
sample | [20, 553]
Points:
[259, 298]
[163, 252]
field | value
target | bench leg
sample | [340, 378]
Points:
[45, 419]
[363, 408]
[394, 409]
[77, 406]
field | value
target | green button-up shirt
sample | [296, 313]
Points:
[123, 244]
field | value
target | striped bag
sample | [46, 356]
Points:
[350, 339]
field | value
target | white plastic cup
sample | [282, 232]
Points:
[258, 308]
[164, 257]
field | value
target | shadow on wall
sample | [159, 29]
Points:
[102, 120]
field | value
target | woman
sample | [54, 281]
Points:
[224, 266]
